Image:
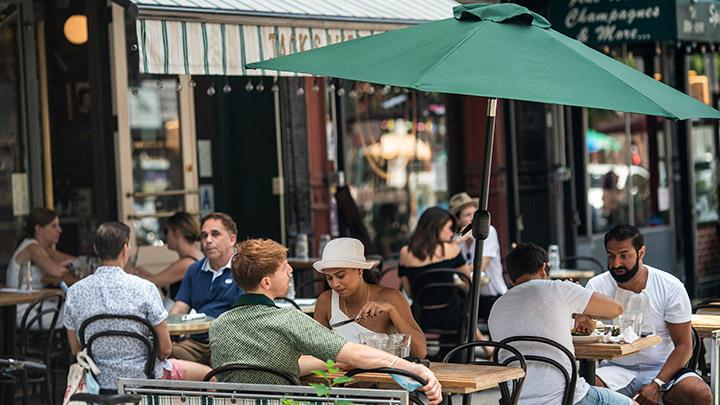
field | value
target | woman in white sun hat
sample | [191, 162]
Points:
[355, 294]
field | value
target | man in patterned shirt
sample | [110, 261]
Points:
[112, 291]
[256, 332]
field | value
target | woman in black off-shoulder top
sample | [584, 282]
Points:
[430, 248]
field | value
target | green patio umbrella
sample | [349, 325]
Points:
[496, 51]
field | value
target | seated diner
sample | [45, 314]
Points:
[110, 290]
[256, 332]
[355, 295]
[537, 306]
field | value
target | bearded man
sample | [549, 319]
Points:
[657, 374]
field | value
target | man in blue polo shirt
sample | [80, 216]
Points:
[208, 286]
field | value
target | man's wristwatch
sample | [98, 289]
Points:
[660, 383]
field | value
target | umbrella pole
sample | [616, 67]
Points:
[481, 219]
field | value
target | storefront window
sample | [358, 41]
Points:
[12, 159]
[703, 146]
[156, 157]
[395, 158]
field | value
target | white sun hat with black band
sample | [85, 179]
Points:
[343, 253]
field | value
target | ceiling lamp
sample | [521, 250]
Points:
[75, 29]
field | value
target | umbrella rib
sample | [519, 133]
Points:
[448, 54]
[669, 114]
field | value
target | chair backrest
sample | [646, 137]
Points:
[389, 278]
[289, 300]
[40, 318]
[308, 288]
[232, 367]
[151, 344]
[461, 356]
[572, 259]
[569, 377]
[168, 391]
[416, 397]
[696, 360]
[423, 286]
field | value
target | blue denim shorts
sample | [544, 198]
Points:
[603, 396]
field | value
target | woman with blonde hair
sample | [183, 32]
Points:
[355, 295]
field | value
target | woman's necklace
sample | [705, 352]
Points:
[343, 303]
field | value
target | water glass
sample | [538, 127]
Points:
[25, 276]
[399, 344]
[301, 246]
[631, 319]
[376, 340]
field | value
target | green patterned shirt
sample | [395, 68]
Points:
[256, 332]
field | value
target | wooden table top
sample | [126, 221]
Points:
[454, 378]
[8, 298]
[610, 351]
[705, 324]
[298, 263]
[178, 327]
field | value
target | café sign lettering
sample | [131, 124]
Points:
[605, 22]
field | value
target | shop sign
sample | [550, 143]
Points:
[606, 22]
[698, 20]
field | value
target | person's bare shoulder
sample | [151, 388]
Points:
[451, 250]
[390, 295]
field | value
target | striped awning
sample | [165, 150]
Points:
[218, 37]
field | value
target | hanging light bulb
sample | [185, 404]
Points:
[332, 86]
[211, 90]
[300, 91]
[249, 86]
[315, 86]
[341, 92]
[227, 88]
[160, 84]
[260, 87]
[371, 90]
[385, 90]
[360, 93]
[275, 88]
[352, 94]
[397, 90]
[178, 85]
[193, 83]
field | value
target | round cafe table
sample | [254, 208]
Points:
[177, 326]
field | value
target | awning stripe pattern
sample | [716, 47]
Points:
[202, 48]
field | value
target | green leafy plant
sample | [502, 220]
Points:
[323, 389]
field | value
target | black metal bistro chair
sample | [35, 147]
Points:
[148, 340]
[427, 285]
[460, 355]
[111, 399]
[13, 371]
[239, 367]
[416, 397]
[569, 377]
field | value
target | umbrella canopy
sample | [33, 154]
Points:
[499, 51]
[496, 51]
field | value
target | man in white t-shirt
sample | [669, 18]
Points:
[657, 373]
[463, 207]
[536, 306]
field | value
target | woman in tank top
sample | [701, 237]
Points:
[182, 231]
[48, 265]
[355, 294]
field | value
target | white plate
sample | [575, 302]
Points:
[587, 339]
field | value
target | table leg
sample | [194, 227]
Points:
[587, 370]
[7, 347]
[714, 352]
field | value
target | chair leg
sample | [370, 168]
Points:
[47, 388]
[25, 387]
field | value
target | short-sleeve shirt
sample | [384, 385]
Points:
[256, 332]
[112, 291]
[208, 292]
[669, 302]
[491, 250]
[541, 308]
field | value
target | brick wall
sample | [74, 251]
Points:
[708, 252]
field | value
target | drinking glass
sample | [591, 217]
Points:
[631, 319]
[399, 344]
[376, 340]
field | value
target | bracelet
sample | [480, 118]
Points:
[392, 363]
